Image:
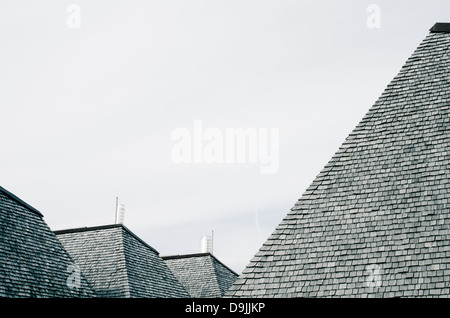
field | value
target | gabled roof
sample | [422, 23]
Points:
[203, 275]
[33, 263]
[376, 220]
[117, 263]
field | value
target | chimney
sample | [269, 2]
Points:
[120, 212]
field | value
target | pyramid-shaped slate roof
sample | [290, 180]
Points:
[118, 263]
[33, 263]
[203, 275]
[376, 221]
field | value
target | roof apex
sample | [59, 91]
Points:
[440, 27]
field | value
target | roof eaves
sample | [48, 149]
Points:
[20, 201]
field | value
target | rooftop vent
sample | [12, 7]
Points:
[120, 212]
[206, 244]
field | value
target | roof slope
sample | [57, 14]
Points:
[117, 263]
[33, 263]
[203, 275]
[375, 222]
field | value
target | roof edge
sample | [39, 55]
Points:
[105, 227]
[440, 27]
[169, 257]
[20, 201]
[221, 263]
[84, 229]
[138, 238]
[185, 256]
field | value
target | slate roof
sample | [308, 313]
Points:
[117, 263]
[376, 220]
[33, 263]
[203, 275]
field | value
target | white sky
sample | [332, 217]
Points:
[87, 113]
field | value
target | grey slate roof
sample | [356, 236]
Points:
[376, 220]
[33, 263]
[203, 275]
[117, 263]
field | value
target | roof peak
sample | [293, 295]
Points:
[440, 27]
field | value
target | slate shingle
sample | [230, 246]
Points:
[33, 263]
[375, 222]
[203, 275]
[117, 263]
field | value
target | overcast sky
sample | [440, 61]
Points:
[92, 91]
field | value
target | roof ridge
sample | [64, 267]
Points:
[127, 288]
[87, 228]
[169, 257]
[104, 227]
[130, 248]
[178, 256]
[222, 264]
[215, 276]
[139, 239]
[440, 27]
